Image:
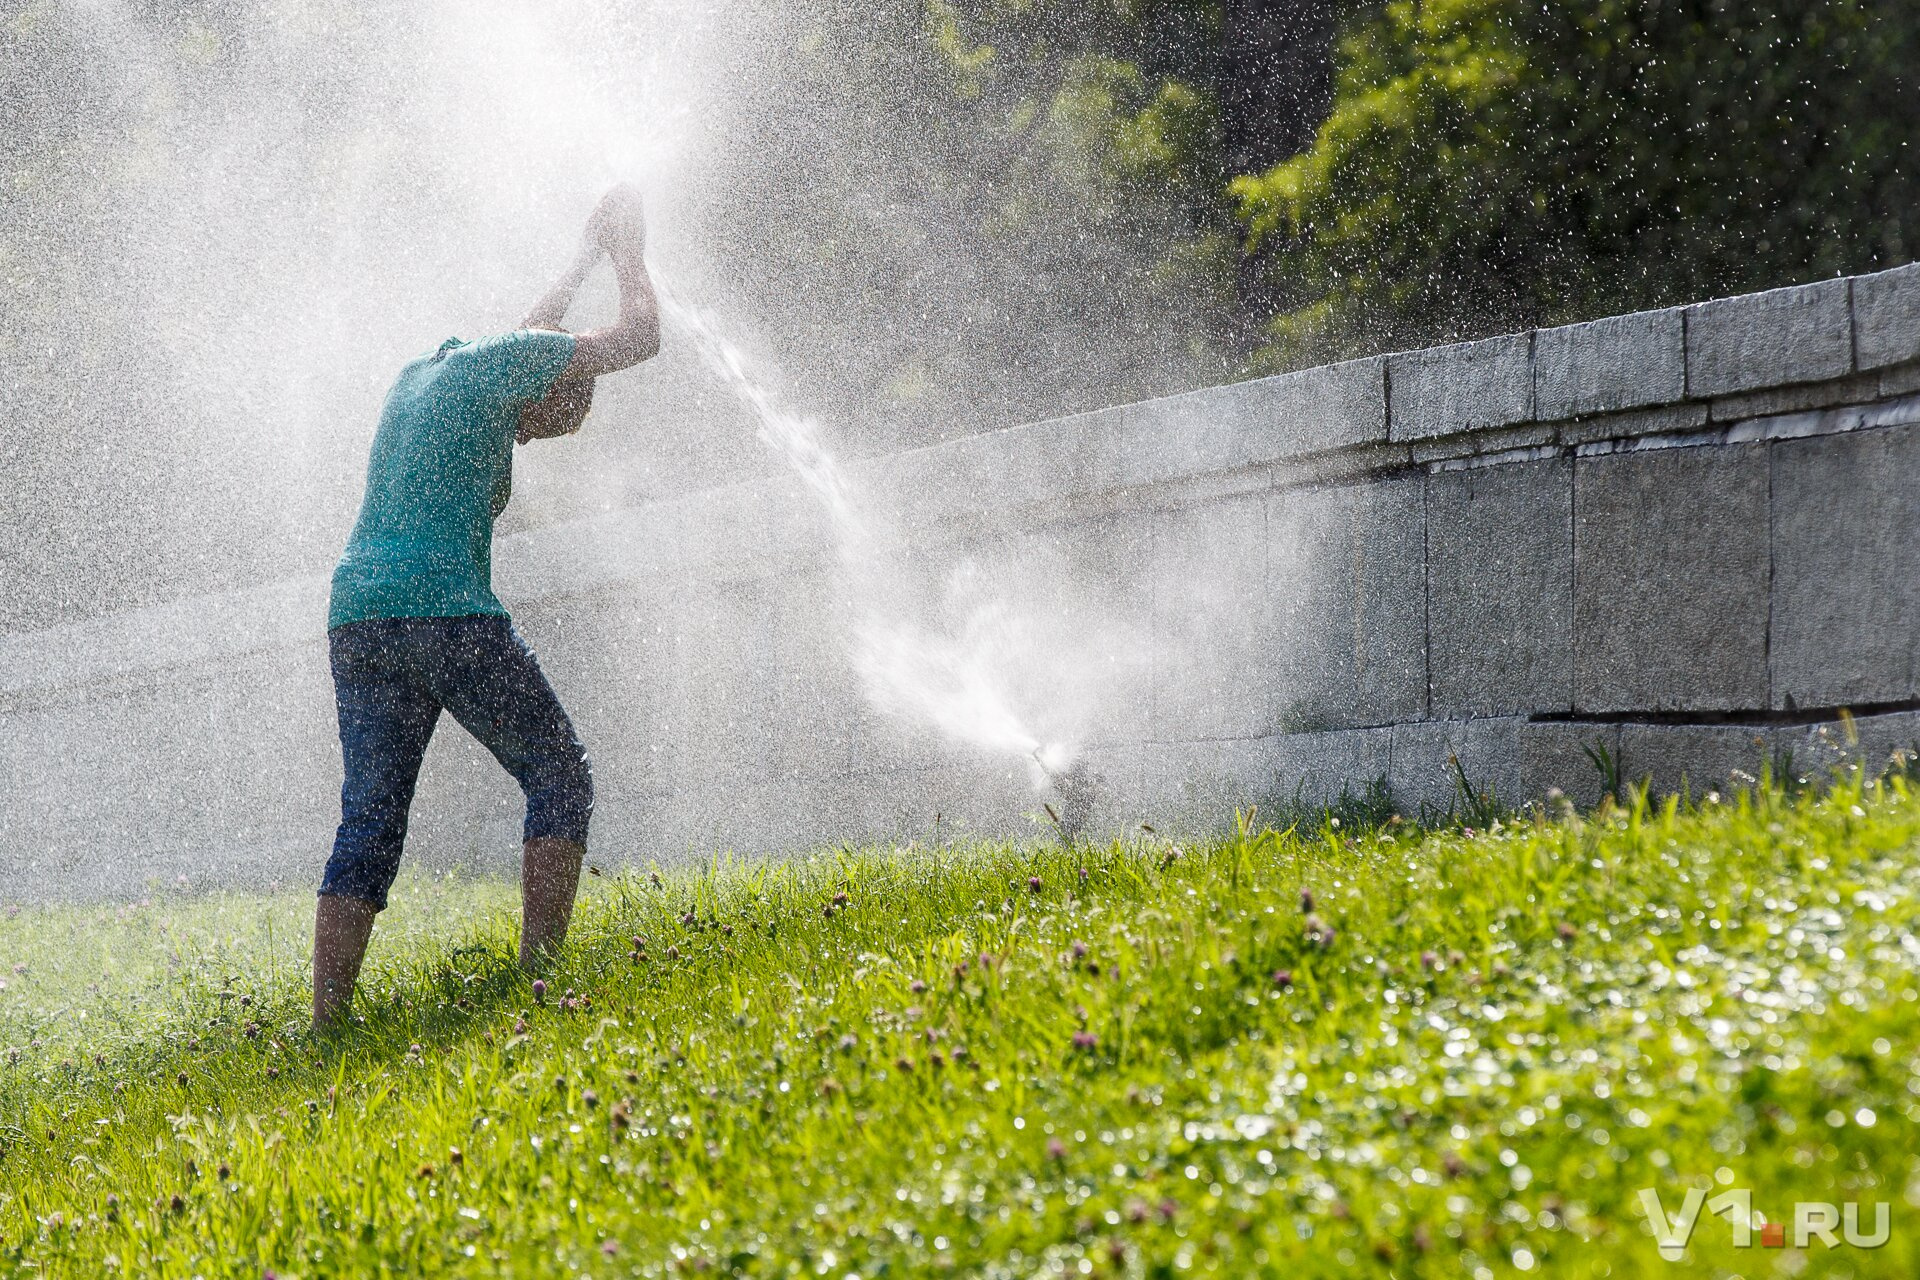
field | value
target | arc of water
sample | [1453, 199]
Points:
[946, 682]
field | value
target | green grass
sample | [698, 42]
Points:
[1465, 1056]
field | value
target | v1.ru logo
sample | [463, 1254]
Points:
[1812, 1220]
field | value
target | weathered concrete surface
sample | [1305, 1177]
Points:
[1349, 604]
[1469, 386]
[1215, 665]
[1327, 768]
[127, 796]
[1632, 424]
[1870, 742]
[1886, 317]
[1846, 587]
[1695, 758]
[1566, 756]
[1500, 577]
[1670, 572]
[1311, 410]
[1082, 579]
[1201, 784]
[1621, 362]
[1771, 401]
[1438, 762]
[1802, 334]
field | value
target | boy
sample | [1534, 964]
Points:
[414, 627]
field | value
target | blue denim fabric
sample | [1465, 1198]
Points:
[391, 678]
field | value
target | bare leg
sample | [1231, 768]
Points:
[341, 927]
[549, 878]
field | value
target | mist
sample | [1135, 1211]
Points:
[226, 235]
[230, 229]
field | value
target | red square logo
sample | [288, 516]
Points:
[1773, 1235]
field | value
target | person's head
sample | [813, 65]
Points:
[560, 414]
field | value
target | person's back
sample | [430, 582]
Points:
[441, 470]
[414, 629]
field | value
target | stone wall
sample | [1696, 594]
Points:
[1680, 537]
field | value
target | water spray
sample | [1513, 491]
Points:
[950, 681]
[1075, 785]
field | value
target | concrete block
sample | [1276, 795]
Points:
[1558, 755]
[1886, 316]
[1215, 658]
[932, 496]
[1333, 407]
[1324, 768]
[605, 654]
[1117, 776]
[1693, 759]
[127, 648]
[1900, 379]
[1490, 445]
[718, 684]
[1904, 412]
[1423, 776]
[1196, 787]
[1269, 419]
[1794, 426]
[1875, 743]
[1846, 596]
[627, 827]
[1500, 589]
[1465, 387]
[1621, 362]
[1504, 458]
[1347, 464]
[1857, 389]
[1801, 334]
[977, 798]
[1670, 574]
[816, 698]
[1349, 604]
[1631, 423]
[1214, 430]
[228, 771]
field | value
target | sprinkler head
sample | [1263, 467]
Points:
[1076, 788]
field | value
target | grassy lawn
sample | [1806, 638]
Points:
[1325, 1051]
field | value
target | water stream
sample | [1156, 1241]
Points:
[948, 679]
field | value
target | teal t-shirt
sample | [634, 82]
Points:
[441, 470]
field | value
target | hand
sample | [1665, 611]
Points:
[619, 224]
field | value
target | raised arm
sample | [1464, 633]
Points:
[618, 229]
[551, 310]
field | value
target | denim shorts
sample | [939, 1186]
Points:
[391, 679]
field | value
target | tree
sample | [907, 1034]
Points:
[1493, 164]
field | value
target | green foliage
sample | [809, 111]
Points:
[1107, 107]
[1374, 1050]
[1491, 164]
